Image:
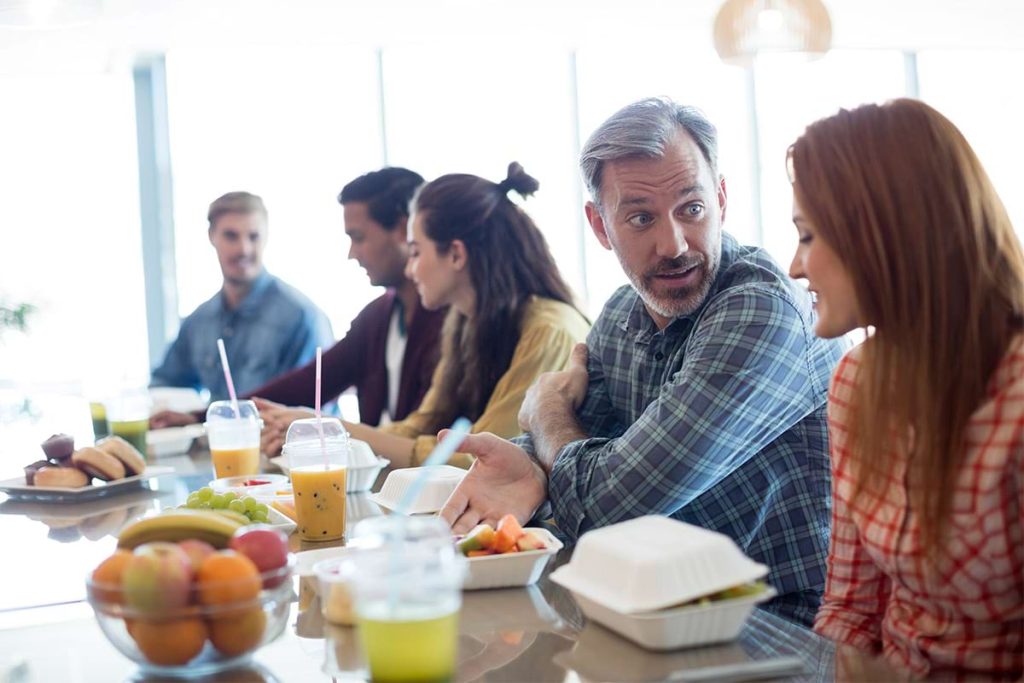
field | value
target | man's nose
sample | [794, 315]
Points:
[672, 241]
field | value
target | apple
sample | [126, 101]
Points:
[157, 578]
[197, 551]
[266, 547]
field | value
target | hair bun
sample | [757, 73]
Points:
[518, 180]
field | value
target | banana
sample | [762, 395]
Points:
[178, 525]
[237, 516]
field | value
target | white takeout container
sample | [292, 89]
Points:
[650, 563]
[512, 569]
[670, 629]
[178, 399]
[161, 443]
[442, 480]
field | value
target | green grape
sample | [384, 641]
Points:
[193, 501]
[217, 502]
[205, 493]
[261, 509]
[236, 506]
[260, 517]
[250, 503]
[229, 496]
[204, 505]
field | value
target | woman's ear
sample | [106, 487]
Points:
[458, 254]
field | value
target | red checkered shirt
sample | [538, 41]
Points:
[964, 611]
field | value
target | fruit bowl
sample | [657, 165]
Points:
[211, 632]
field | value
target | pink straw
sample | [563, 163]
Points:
[227, 377]
[319, 422]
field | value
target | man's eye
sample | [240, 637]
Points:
[640, 220]
[694, 209]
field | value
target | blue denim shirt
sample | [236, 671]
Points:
[717, 420]
[274, 329]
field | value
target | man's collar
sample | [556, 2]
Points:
[252, 301]
[638, 319]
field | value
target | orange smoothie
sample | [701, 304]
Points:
[232, 462]
[319, 501]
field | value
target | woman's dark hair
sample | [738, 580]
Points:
[386, 192]
[509, 262]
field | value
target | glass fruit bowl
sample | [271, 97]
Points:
[210, 632]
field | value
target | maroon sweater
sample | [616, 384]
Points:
[358, 360]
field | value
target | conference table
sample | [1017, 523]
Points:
[48, 631]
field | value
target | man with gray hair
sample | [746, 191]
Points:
[701, 391]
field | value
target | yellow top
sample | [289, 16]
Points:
[550, 330]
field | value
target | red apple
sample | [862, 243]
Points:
[157, 578]
[266, 547]
[197, 551]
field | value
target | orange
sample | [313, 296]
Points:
[170, 643]
[107, 577]
[237, 635]
[227, 577]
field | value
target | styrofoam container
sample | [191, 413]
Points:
[161, 443]
[670, 629]
[511, 570]
[654, 562]
[361, 477]
[178, 399]
[441, 481]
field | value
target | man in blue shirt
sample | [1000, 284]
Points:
[268, 327]
[701, 391]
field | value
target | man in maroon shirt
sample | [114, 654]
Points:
[393, 345]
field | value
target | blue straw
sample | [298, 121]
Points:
[442, 451]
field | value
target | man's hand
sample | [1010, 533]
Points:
[276, 420]
[556, 393]
[503, 480]
[170, 418]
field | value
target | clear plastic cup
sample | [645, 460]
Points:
[407, 591]
[128, 417]
[234, 439]
[318, 470]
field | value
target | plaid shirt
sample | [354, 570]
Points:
[964, 612]
[718, 420]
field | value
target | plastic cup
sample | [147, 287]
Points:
[98, 412]
[407, 593]
[128, 417]
[318, 471]
[234, 441]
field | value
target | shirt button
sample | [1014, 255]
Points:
[659, 356]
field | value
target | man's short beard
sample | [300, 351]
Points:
[681, 301]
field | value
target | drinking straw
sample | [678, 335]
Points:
[442, 451]
[227, 377]
[319, 422]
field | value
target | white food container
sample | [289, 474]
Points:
[275, 482]
[512, 569]
[654, 562]
[161, 443]
[442, 480]
[675, 628]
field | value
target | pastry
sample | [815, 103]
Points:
[30, 470]
[59, 447]
[129, 456]
[99, 464]
[61, 477]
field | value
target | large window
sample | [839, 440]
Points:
[69, 226]
[974, 89]
[291, 125]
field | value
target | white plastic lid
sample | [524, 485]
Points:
[654, 562]
[440, 483]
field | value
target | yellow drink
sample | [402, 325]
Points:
[415, 647]
[319, 502]
[232, 462]
[132, 431]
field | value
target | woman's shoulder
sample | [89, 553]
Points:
[549, 314]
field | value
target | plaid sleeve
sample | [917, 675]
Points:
[856, 590]
[744, 381]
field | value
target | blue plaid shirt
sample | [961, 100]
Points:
[718, 420]
[274, 329]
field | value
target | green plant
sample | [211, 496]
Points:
[15, 316]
